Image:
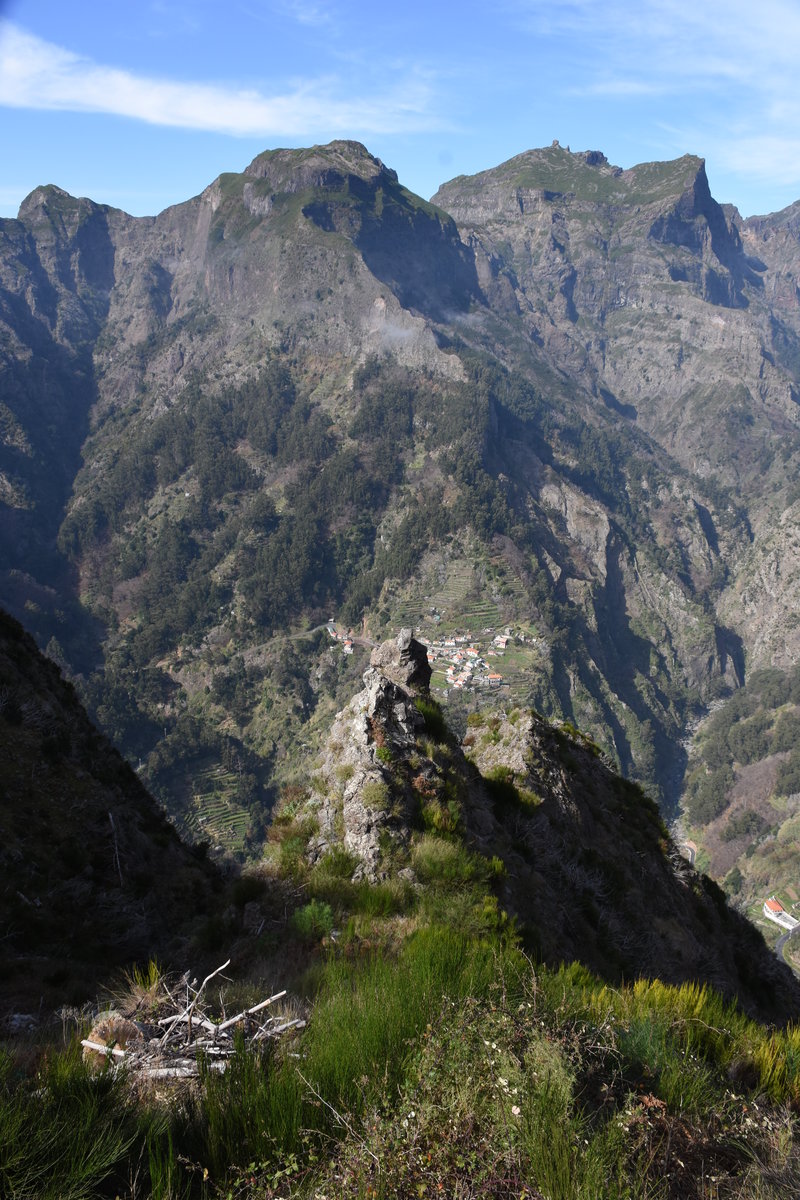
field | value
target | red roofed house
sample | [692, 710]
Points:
[774, 910]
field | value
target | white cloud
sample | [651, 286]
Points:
[619, 87]
[772, 159]
[307, 12]
[38, 74]
[676, 41]
[313, 13]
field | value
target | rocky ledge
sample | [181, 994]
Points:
[364, 809]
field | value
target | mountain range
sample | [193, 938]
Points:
[559, 400]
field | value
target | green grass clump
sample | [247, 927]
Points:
[436, 860]
[292, 856]
[375, 794]
[435, 724]
[506, 795]
[337, 863]
[68, 1134]
[331, 882]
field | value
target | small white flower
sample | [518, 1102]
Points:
[515, 1110]
[501, 1081]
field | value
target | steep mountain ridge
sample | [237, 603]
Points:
[677, 315]
[588, 867]
[93, 876]
[621, 277]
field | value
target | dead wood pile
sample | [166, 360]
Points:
[173, 1045]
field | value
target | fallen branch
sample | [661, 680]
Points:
[199, 1022]
[249, 1011]
[101, 1049]
[263, 1032]
[204, 1044]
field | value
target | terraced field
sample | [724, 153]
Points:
[451, 592]
[213, 815]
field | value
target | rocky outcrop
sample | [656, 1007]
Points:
[404, 660]
[367, 806]
[589, 871]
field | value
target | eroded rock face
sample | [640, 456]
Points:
[365, 809]
[405, 660]
[647, 291]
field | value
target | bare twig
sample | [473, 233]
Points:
[101, 1049]
[200, 1022]
[263, 1032]
[116, 848]
[187, 1014]
[345, 1124]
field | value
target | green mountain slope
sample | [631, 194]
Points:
[558, 401]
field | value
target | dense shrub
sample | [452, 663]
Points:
[708, 795]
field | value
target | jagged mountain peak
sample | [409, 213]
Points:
[41, 197]
[50, 203]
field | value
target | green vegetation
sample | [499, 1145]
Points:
[313, 921]
[506, 795]
[243, 514]
[72, 1135]
[435, 723]
[450, 1062]
[744, 824]
[244, 506]
[437, 1057]
[565, 177]
[756, 728]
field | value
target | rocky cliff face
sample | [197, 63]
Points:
[682, 319]
[640, 285]
[590, 871]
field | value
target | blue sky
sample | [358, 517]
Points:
[141, 106]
